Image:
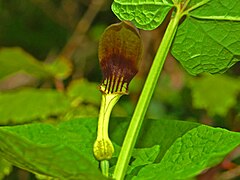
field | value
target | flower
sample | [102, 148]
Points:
[120, 49]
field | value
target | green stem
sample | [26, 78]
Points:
[105, 167]
[144, 100]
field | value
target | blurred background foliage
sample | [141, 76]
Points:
[49, 70]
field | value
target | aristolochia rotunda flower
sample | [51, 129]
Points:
[120, 49]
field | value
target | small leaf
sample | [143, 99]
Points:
[143, 156]
[83, 91]
[198, 149]
[215, 94]
[31, 104]
[61, 68]
[63, 152]
[145, 14]
[13, 60]
[140, 158]
[208, 39]
[5, 168]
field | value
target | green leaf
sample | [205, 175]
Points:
[60, 68]
[208, 39]
[85, 98]
[198, 149]
[31, 104]
[143, 156]
[63, 151]
[145, 14]
[206, 145]
[83, 91]
[82, 110]
[216, 9]
[153, 132]
[14, 60]
[140, 158]
[5, 168]
[215, 94]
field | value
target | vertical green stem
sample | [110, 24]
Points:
[104, 165]
[144, 100]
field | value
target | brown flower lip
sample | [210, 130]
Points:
[120, 49]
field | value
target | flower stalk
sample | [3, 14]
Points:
[103, 148]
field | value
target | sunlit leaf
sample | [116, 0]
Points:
[208, 39]
[140, 158]
[13, 60]
[63, 152]
[186, 148]
[143, 156]
[60, 68]
[5, 168]
[190, 154]
[145, 14]
[153, 132]
[83, 91]
[31, 104]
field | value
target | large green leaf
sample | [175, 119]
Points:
[198, 149]
[63, 152]
[215, 94]
[179, 142]
[145, 14]
[31, 104]
[153, 132]
[208, 39]
[13, 60]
